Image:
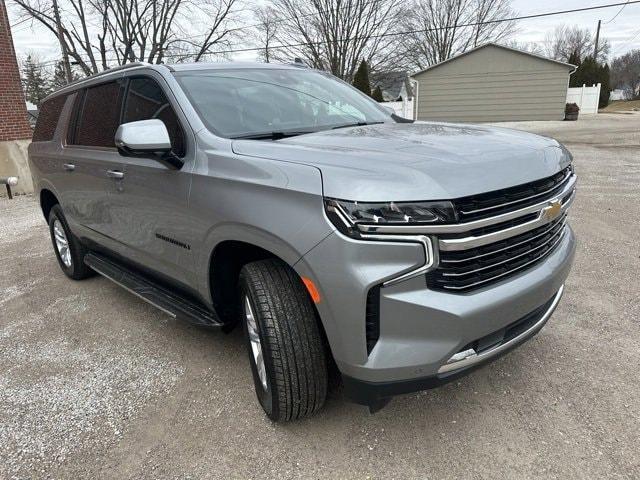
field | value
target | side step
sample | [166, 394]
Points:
[151, 292]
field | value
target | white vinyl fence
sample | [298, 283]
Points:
[586, 97]
[402, 109]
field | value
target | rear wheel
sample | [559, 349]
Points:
[285, 346]
[69, 251]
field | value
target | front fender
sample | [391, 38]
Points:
[251, 235]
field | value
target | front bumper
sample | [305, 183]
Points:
[420, 329]
[377, 393]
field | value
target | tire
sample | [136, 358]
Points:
[294, 383]
[72, 264]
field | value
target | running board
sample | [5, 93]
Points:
[159, 297]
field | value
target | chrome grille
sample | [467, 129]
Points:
[515, 237]
[463, 270]
[494, 203]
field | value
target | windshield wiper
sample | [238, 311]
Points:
[277, 135]
[271, 135]
[356, 124]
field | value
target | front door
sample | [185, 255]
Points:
[150, 208]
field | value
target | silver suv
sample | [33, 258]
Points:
[337, 234]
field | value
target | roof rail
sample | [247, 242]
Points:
[126, 66]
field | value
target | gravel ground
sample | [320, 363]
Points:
[94, 383]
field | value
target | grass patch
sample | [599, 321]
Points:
[622, 106]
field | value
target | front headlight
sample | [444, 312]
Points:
[347, 215]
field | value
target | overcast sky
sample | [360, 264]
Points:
[623, 32]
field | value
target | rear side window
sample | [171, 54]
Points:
[99, 116]
[146, 100]
[48, 117]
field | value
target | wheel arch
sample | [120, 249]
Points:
[47, 200]
[225, 263]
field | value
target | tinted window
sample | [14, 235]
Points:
[48, 117]
[146, 100]
[100, 116]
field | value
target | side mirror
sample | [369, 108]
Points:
[146, 138]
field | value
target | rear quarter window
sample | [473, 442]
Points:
[48, 118]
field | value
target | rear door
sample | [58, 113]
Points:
[150, 212]
[45, 151]
[92, 162]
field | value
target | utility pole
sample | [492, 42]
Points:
[63, 45]
[595, 47]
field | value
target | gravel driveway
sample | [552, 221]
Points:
[94, 383]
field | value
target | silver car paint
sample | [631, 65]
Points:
[419, 328]
[270, 194]
[421, 161]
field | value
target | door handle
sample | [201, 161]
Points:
[69, 167]
[117, 174]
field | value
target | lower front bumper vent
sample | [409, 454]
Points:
[372, 321]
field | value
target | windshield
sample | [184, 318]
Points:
[254, 102]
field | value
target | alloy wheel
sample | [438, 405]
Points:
[256, 344]
[62, 244]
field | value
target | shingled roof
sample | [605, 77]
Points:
[391, 83]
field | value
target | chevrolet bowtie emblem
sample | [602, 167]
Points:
[552, 211]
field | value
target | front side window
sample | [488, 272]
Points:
[248, 102]
[145, 101]
[99, 116]
[48, 117]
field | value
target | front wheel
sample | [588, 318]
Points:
[286, 349]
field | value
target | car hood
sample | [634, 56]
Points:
[418, 161]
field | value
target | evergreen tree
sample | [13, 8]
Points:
[605, 88]
[59, 78]
[34, 81]
[574, 59]
[377, 94]
[590, 72]
[361, 78]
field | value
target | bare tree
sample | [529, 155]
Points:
[565, 40]
[625, 73]
[267, 30]
[216, 21]
[441, 29]
[530, 47]
[100, 33]
[72, 41]
[333, 35]
[134, 30]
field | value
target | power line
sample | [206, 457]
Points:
[628, 43]
[405, 32]
[616, 15]
[276, 21]
[20, 22]
[231, 30]
[26, 19]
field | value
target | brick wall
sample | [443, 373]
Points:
[13, 111]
